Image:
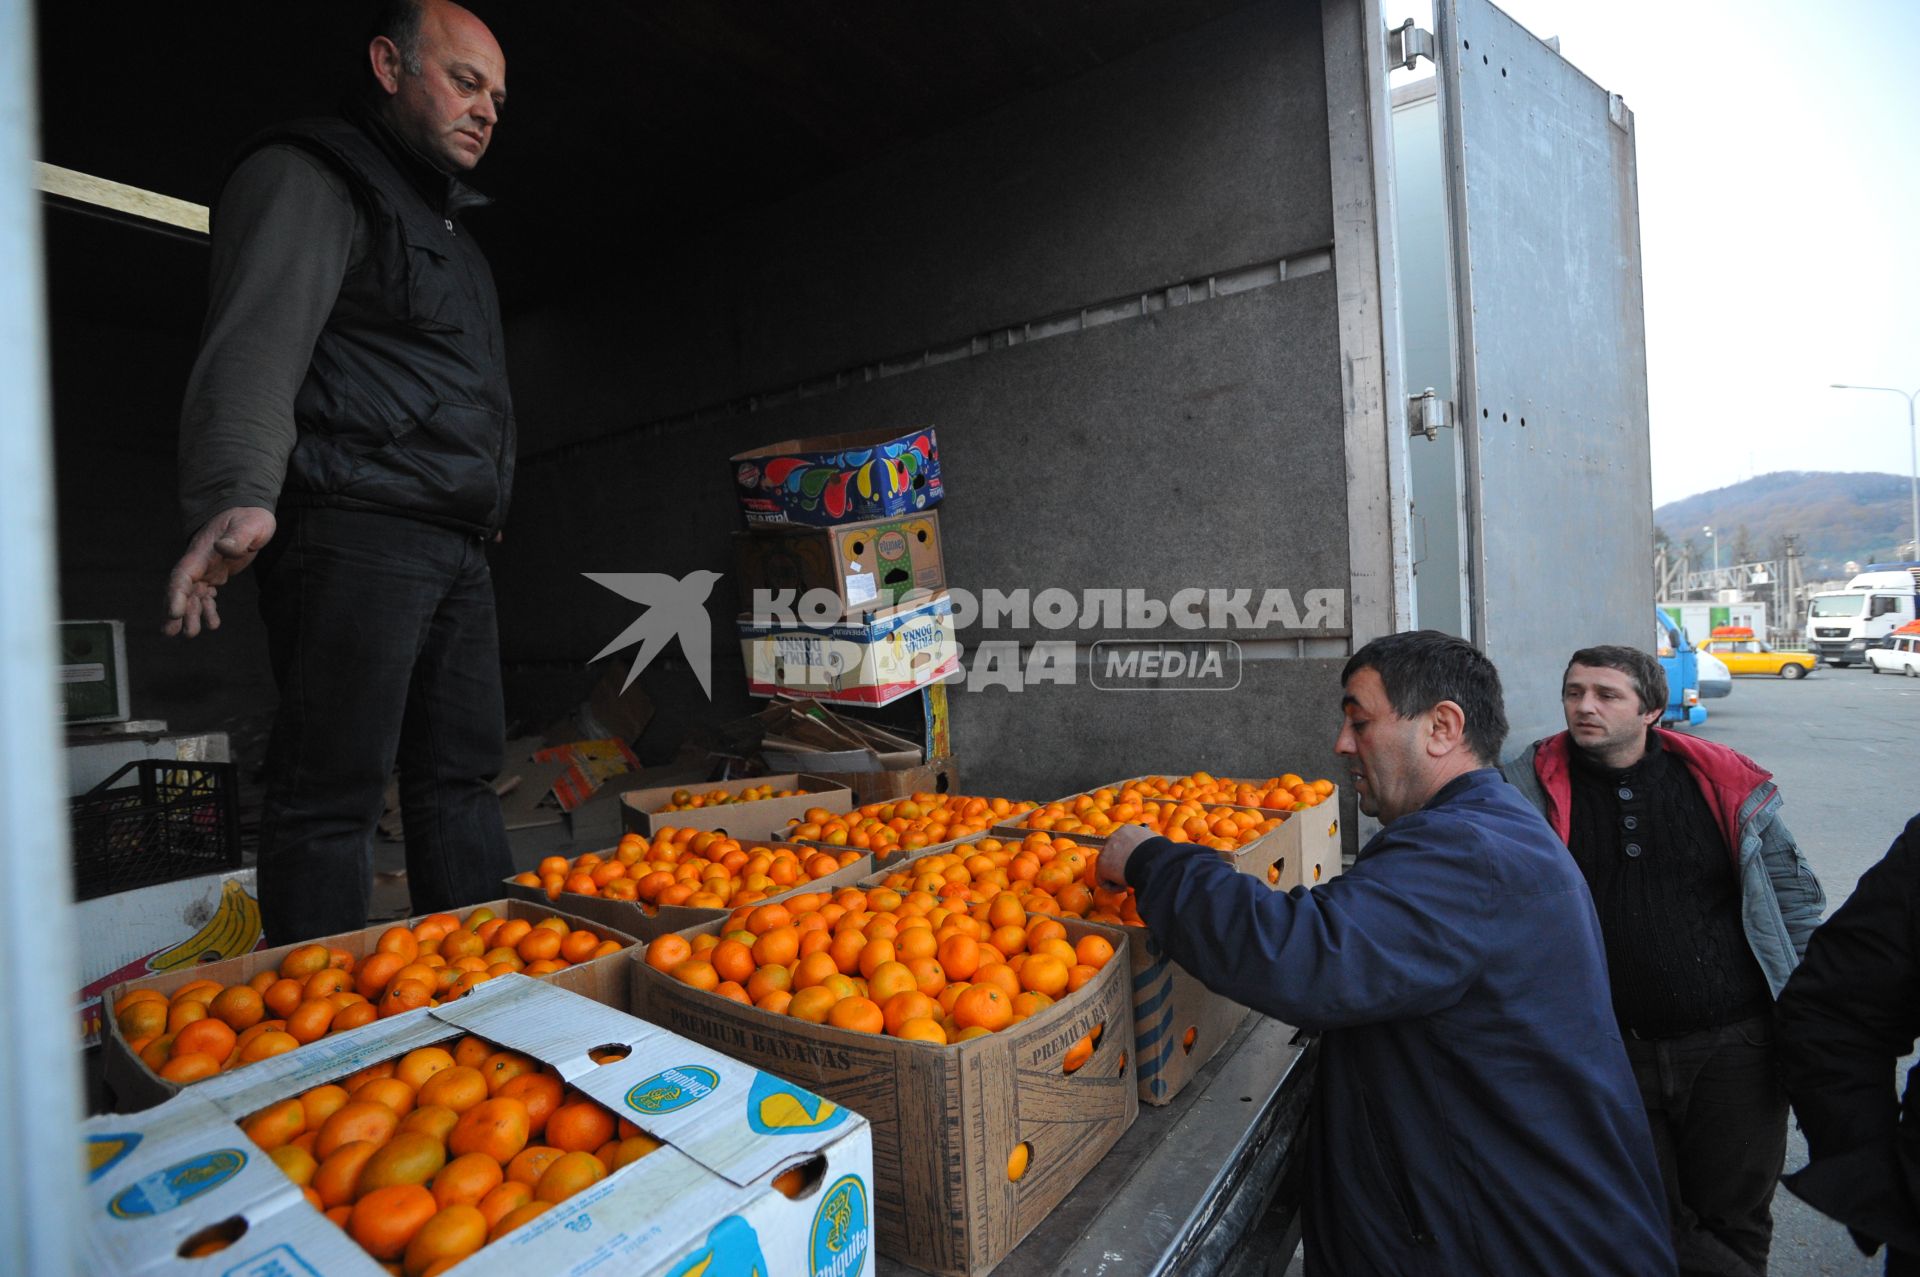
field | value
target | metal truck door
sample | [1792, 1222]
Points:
[1550, 353]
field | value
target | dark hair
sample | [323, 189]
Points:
[1421, 668]
[1649, 680]
[399, 21]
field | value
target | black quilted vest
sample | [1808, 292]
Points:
[405, 407]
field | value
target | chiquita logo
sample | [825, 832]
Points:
[732, 1250]
[104, 1152]
[671, 1090]
[841, 1234]
[160, 1192]
[775, 1107]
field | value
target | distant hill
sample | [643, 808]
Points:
[1838, 517]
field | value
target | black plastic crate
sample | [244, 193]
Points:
[171, 821]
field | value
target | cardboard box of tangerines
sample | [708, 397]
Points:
[522, 1129]
[168, 1031]
[1284, 831]
[680, 877]
[992, 1090]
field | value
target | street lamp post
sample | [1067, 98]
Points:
[1716, 561]
[1913, 445]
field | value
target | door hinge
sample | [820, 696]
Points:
[1427, 412]
[1406, 43]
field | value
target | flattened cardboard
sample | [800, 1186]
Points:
[649, 922]
[135, 1086]
[704, 1202]
[946, 1119]
[181, 925]
[762, 821]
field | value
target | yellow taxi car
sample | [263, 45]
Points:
[1742, 653]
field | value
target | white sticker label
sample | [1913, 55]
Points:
[861, 588]
[92, 672]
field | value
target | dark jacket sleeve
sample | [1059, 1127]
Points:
[283, 237]
[1848, 1014]
[1359, 949]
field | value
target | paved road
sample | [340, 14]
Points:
[1844, 747]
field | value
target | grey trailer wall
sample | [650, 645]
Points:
[1114, 299]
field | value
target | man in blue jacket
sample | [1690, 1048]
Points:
[1474, 1110]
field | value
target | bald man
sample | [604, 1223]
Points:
[348, 424]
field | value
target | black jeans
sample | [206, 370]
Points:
[1719, 1119]
[382, 635]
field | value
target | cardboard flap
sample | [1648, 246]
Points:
[524, 1014]
[186, 1152]
[715, 1109]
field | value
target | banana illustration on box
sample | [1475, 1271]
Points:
[233, 929]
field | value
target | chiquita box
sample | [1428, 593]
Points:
[174, 1180]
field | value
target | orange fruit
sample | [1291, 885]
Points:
[814, 969]
[1044, 973]
[434, 1119]
[352, 1017]
[310, 1021]
[812, 1004]
[458, 1088]
[275, 1125]
[417, 1066]
[530, 1163]
[922, 1029]
[295, 1163]
[1077, 1054]
[540, 1092]
[465, 1181]
[732, 961]
[323, 984]
[861, 1015]
[633, 1148]
[516, 1217]
[567, 1175]
[374, 975]
[983, 1006]
[503, 1199]
[495, 1127]
[339, 1172]
[210, 1036]
[959, 957]
[189, 1066]
[450, 1236]
[579, 1127]
[321, 1103]
[183, 1013]
[1093, 951]
[503, 1066]
[385, 1220]
[390, 1091]
[239, 1007]
[301, 962]
[355, 1120]
[410, 1157]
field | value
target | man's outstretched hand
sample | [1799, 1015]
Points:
[219, 551]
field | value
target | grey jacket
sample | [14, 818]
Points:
[1781, 900]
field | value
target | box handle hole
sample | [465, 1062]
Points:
[802, 1180]
[1019, 1161]
[610, 1053]
[214, 1239]
[1188, 1038]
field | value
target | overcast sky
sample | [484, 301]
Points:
[1779, 204]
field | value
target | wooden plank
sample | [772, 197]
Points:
[116, 197]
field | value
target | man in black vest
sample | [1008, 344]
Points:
[348, 421]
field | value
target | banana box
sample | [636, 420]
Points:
[135, 1086]
[175, 926]
[181, 1177]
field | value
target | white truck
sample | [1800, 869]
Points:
[1842, 625]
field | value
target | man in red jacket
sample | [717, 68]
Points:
[1706, 907]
